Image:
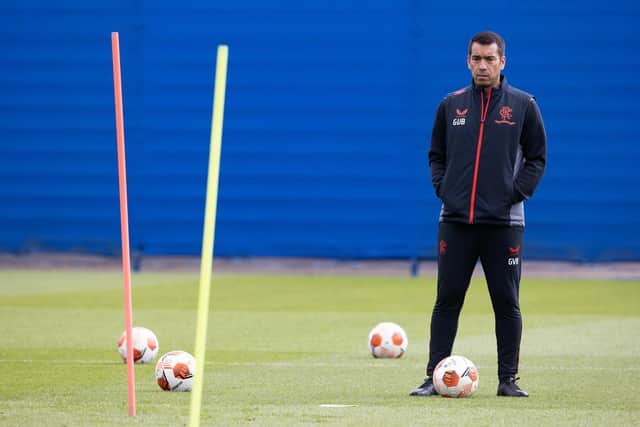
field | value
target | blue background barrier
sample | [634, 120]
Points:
[327, 123]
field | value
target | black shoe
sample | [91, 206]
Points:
[426, 389]
[508, 387]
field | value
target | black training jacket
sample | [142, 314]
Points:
[487, 155]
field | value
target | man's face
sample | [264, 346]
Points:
[485, 64]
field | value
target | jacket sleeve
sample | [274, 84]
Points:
[438, 149]
[534, 149]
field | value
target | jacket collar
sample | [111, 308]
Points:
[503, 85]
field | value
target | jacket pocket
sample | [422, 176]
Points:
[454, 195]
[440, 187]
[515, 194]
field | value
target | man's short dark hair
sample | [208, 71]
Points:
[486, 38]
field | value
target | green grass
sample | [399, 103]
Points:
[279, 346]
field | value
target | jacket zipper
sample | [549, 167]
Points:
[483, 115]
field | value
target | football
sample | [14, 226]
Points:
[455, 376]
[387, 340]
[145, 345]
[174, 371]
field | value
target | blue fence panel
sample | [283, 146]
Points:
[327, 123]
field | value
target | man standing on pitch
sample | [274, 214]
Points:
[487, 155]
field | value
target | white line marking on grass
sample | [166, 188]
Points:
[64, 362]
[363, 365]
[376, 365]
[336, 405]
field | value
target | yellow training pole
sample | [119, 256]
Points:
[208, 236]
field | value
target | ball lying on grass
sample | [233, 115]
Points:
[387, 340]
[455, 376]
[174, 371]
[145, 345]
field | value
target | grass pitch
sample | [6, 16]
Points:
[280, 346]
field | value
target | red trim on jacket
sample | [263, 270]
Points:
[484, 109]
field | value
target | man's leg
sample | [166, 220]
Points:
[502, 263]
[458, 250]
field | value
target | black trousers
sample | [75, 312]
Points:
[498, 248]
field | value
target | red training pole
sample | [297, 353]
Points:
[124, 222]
